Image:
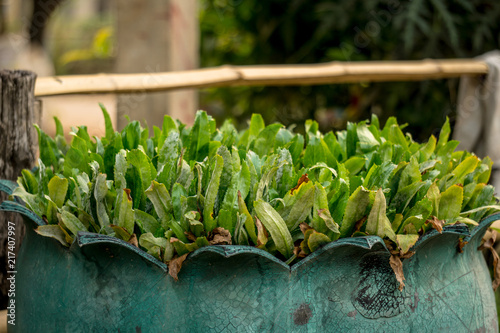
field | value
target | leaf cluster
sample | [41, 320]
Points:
[183, 188]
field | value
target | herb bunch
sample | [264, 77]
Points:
[289, 194]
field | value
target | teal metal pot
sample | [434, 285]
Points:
[102, 284]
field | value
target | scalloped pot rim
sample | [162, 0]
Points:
[373, 243]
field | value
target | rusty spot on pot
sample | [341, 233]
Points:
[352, 314]
[302, 315]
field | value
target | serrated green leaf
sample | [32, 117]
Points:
[303, 200]
[264, 142]
[428, 149]
[484, 197]
[120, 232]
[379, 176]
[405, 242]
[249, 222]
[124, 214]
[316, 240]
[47, 148]
[146, 222]
[71, 222]
[58, 187]
[211, 194]
[444, 135]
[276, 227]
[450, 203]
[403, 197]
[120, 170]
[179, 191]
[463, 169]
[356, 209]
[199, 138]
[495, 207]
[396, 136]
[100, 191]
[444, 157]
[110, 132]
[410, 174]
[434, 195]
[282, 138]
[54, 231]
[147, 241]
[367, 140]
[157, 193]
[377, 222]
[396, 223]
[322, 220]
[256, 126]
[484, 176]
[29, 181]
[418, 214]
[355, 164]
[51, 212]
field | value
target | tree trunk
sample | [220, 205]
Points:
[42, 10]
[159, 37]
[17, 151]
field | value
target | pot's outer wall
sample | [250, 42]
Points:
[104, 285]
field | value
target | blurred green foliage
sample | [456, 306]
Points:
[81, 46]
[246, 32]
[101, 48]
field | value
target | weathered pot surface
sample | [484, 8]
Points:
[103, 284]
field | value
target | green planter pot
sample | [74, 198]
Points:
[103, 284]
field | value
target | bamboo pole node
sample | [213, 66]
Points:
[334, 72]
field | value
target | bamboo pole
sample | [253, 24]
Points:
[326, 73]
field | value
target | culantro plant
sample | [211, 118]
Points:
[181, 188]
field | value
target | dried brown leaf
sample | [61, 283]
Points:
[397, 267]
[133, 240]
[488, 243]
[173, 240]
[304, 227]
[496, 270]
[461, 244]
[190, 236]
[179, 165]
[128, 191]
[175, 265]
[437, 224]
[262, 235]
[299, 253]
[391, 247]
[302, 179]
[408, 254]
[389, 244]
[360, 223]
[220, 236]
[488, 240]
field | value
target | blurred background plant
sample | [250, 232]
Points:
[245, 32]
[84, 45]
[248, 32]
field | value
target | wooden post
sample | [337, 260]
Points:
[156, 36]
[184, 55]
[142, 40]
[17, 150]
